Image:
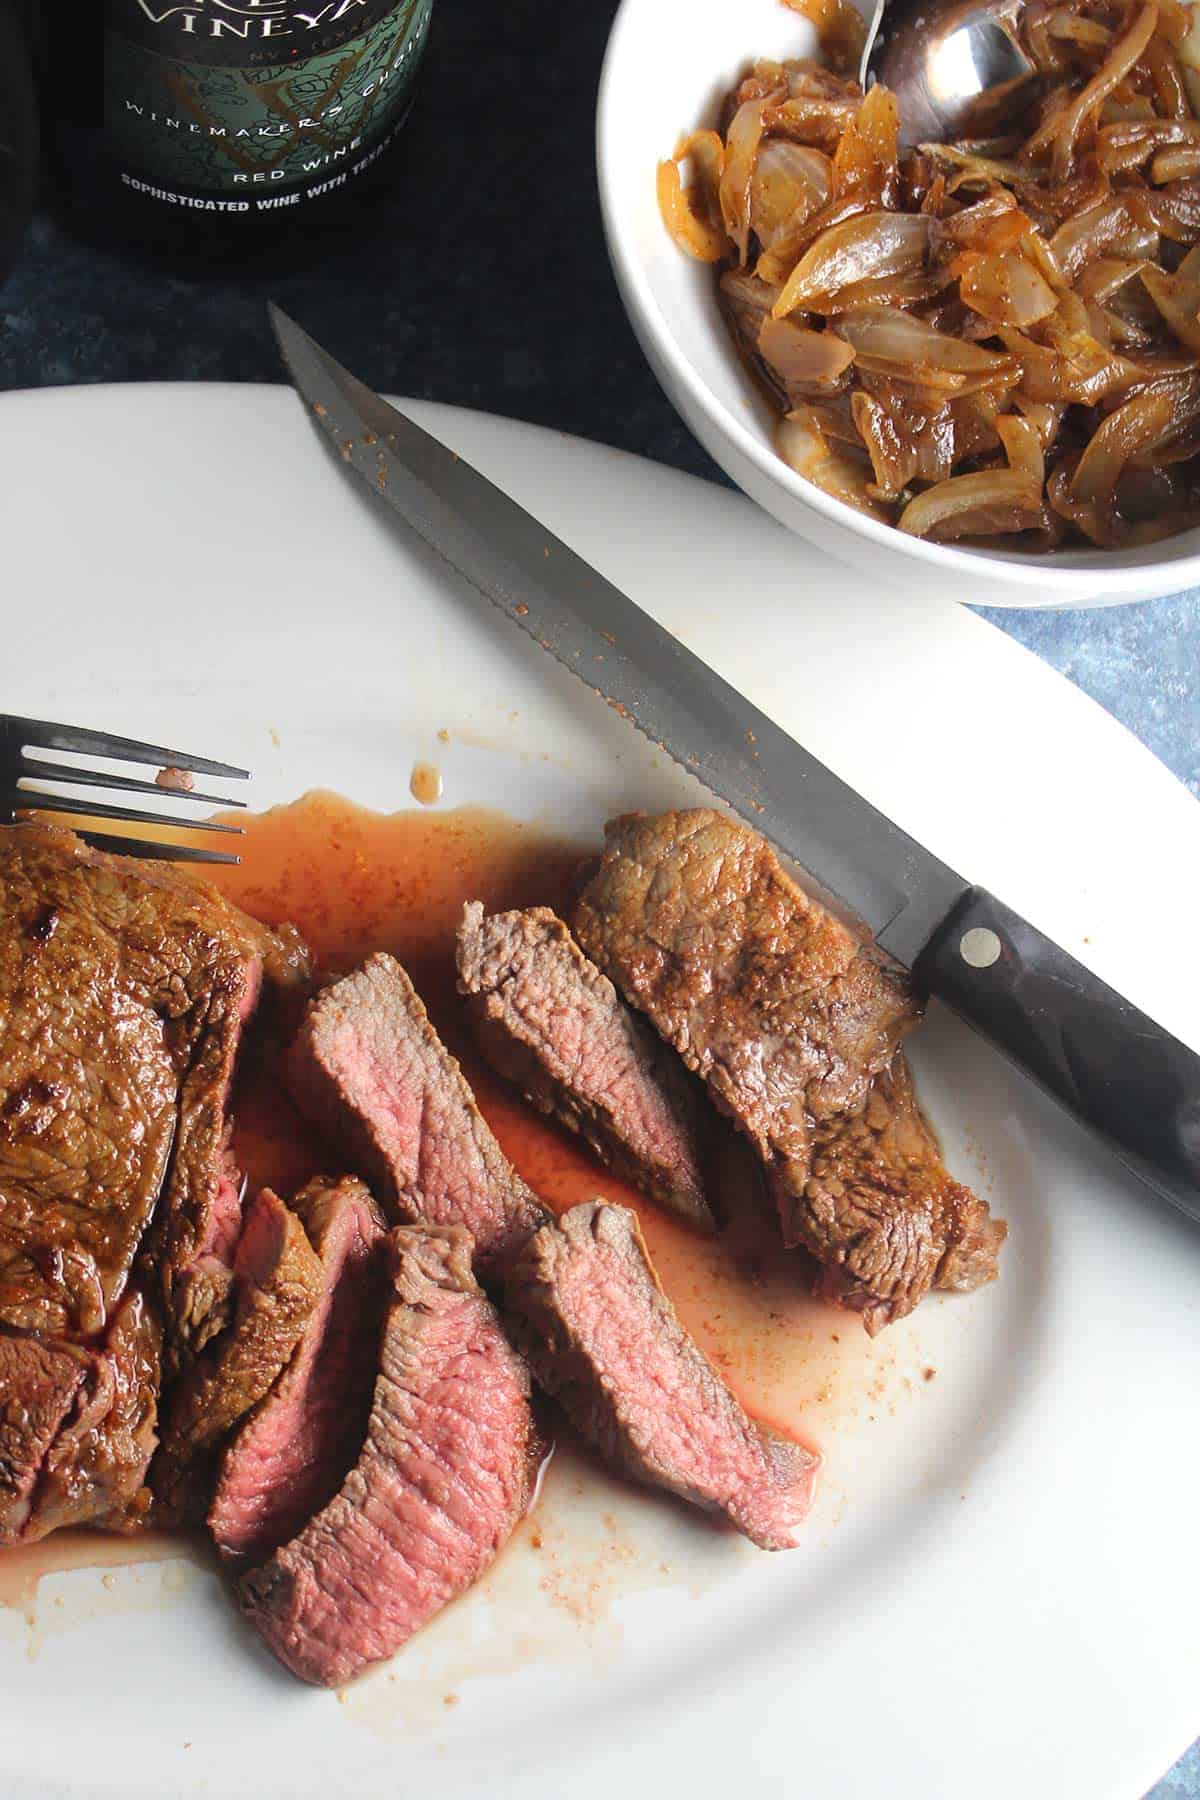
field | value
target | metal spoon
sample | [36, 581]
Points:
[956, 67]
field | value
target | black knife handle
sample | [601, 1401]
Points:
[1114, 1068]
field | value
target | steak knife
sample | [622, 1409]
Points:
[1126, 1078]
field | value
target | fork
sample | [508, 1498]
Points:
[18, 768]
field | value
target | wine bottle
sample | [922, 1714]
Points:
[18, 137]
[226, 132]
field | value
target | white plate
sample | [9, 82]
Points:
[998, 1591]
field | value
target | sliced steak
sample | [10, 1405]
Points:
[884, 1213]
[123, 990]
[585, 1305]
[548, 1020]
[447, 1468]
[785, 1016]
[38, 1385]
[369, 1068]
[277, 1278]
[95, 1470]
[291, 1456]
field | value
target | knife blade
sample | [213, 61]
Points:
[860, 859]
[1123, 1075]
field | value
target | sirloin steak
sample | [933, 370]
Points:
[278, 1283]
[291, 1456]
[123, 990]
[550, 1022]
[38, 1385]
[372, 1072]
[124, 987]
[882, 1210]
[448, 1467]
[94, 1472]
[789, 1020]
[585, 1305]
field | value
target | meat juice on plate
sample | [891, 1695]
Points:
[23, 1566]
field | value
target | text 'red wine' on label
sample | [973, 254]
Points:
[256, 97]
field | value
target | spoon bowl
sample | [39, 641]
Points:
[956, 67]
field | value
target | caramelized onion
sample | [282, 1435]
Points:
[841, 30]
[746, 301]
[867, 160]
[889, 290]
[804, 448]
[1173, 210]
[1079, 371]
[862, 249]
[1179, 163]
[790, 182]
[891, 449]
[799, 357]
[1005, 288]
[989, 502]
[907, 349]
[1106, 277]
[992, 224]
[1120, 60]
[1045, 418]
[1089, 499]
[1178, 300]
[685, 216]
[1022, 446]
[984, 338]
[1087, 234]
[741, 152]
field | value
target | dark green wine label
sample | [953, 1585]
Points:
[253, 97]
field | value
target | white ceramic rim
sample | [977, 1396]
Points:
[1074, 575]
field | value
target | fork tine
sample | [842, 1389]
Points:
[47, 736]
[34, 800]
[129, 784]
[145, 847]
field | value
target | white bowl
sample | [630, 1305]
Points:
[667, 66]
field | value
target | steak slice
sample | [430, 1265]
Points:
[290, 1457]
[278, 1282]
[123, 990]
[884, 1213]
[95, 1470]
[372, 1072]
[38, 1385]
[447, 1469]
[586, 1307]
[548, 1020]
[789, 1020]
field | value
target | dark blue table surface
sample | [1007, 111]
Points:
[483, 282]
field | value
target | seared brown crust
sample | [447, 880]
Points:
[448, 1467]
[124, 986]
[585, 1304]
[883, 1213]
[369, 1068]
[549, 1021]
[791, 1022]
[278, 1281]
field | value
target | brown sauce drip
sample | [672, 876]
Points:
[425, 783]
